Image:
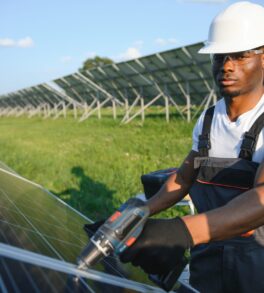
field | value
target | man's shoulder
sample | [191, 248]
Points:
[219, 107]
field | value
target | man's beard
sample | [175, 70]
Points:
[228, 94]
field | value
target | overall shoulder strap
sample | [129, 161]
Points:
[204, 143]
[250, 139]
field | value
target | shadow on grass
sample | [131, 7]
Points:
[91, 198]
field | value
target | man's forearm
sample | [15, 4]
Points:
[176, 187]
[169, 194]
[244, 213]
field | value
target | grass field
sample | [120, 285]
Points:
[95, 165]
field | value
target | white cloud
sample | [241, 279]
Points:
[138, 44]
[25, 43]
[165, 42]
[7, 42]
[90, 55]
[66, 59]
[173, 41]
[130, 53]
[160, 42]
[21, 43]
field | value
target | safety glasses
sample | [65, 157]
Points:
[239, 58]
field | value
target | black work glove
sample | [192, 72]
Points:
[90, 229]
[160, 246]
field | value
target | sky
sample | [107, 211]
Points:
[41, 40]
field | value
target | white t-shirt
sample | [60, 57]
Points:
[226, 136]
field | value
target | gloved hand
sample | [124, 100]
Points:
[90, 229]
[160, 246]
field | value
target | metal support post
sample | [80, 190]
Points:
[98, 109]
[166, 99]
[114, 109]
[142, 109]
[75, 114]
[188, 101]
[64, 109]
[126, 109]
[145, 107]
[126, 117]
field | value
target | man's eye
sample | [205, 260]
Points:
[241, 57]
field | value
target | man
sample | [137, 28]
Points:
[223, 173]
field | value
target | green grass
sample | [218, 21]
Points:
[95, 165]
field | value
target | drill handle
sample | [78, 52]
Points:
[167, 281]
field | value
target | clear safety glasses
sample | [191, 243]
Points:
[239, 58]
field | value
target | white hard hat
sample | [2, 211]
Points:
[240, 27]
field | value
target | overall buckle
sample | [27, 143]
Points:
[249, 142]
[204, 141]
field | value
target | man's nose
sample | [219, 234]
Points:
[227, 63]
[227, 58]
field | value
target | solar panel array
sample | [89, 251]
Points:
[39, 234]
[40, 240]
[175, 73]
[180, 77]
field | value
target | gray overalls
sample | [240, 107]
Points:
[235, 265]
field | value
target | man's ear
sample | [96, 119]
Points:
[262, 59]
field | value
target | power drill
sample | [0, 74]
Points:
[119, 232]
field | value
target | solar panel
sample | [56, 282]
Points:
[178, 77]
[40, 239]
[75, 88]
[146, 74]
